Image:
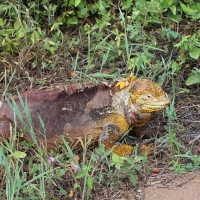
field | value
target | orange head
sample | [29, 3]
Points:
[148, 96]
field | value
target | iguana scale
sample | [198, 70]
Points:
[101, 112]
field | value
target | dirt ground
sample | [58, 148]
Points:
[182, 187]
[166, 185]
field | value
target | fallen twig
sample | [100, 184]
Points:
[195, 139]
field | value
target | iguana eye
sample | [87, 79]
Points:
[148, 96]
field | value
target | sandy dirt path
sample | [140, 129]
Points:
[182, 187]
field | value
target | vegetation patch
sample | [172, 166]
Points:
[46, 43]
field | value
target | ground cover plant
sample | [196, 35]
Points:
[48, 43]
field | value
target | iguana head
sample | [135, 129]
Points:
[145, 98]
[148, 96]
[141, 98]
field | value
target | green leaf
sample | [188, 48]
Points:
[166, 3]
[175, 67]
[76, 185]
[1, 22]
[70, 153]
[72, 21]
[77, 2]
[44, 2]
[121, 15]
[41, 122]
[126, 4]
[195, 53]
[133, 178]
[60, 172]
[117, 166]
[9, 31]
[20, 33]
[104, 75]
[187, 9]
[195, 78]
[50, 46]
[1, 155]
[115, 157]
[16, 42]
[170, 33]
[16, 25]
[34, 36]
[19, 154]
[183, 40]
[173, 9]
[89, 182]
[80, 174]
[84, 11]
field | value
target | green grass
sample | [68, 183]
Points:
[45, 40]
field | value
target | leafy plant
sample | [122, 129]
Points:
[189, 44]
[193, 11]
[194, 78]
[182, 168]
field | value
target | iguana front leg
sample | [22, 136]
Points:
[111, 134]
[114, 127]
[109, 137]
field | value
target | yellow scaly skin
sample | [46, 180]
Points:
[141, 98]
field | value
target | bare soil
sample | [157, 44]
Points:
[170, 187]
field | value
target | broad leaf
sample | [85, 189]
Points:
[77, 2]
[195, 53]
[19, 154]
[194, 79]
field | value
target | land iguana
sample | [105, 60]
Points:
[99, 111]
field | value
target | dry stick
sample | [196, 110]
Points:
[195, 139]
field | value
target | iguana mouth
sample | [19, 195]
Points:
[155, 104]
[153, 108]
